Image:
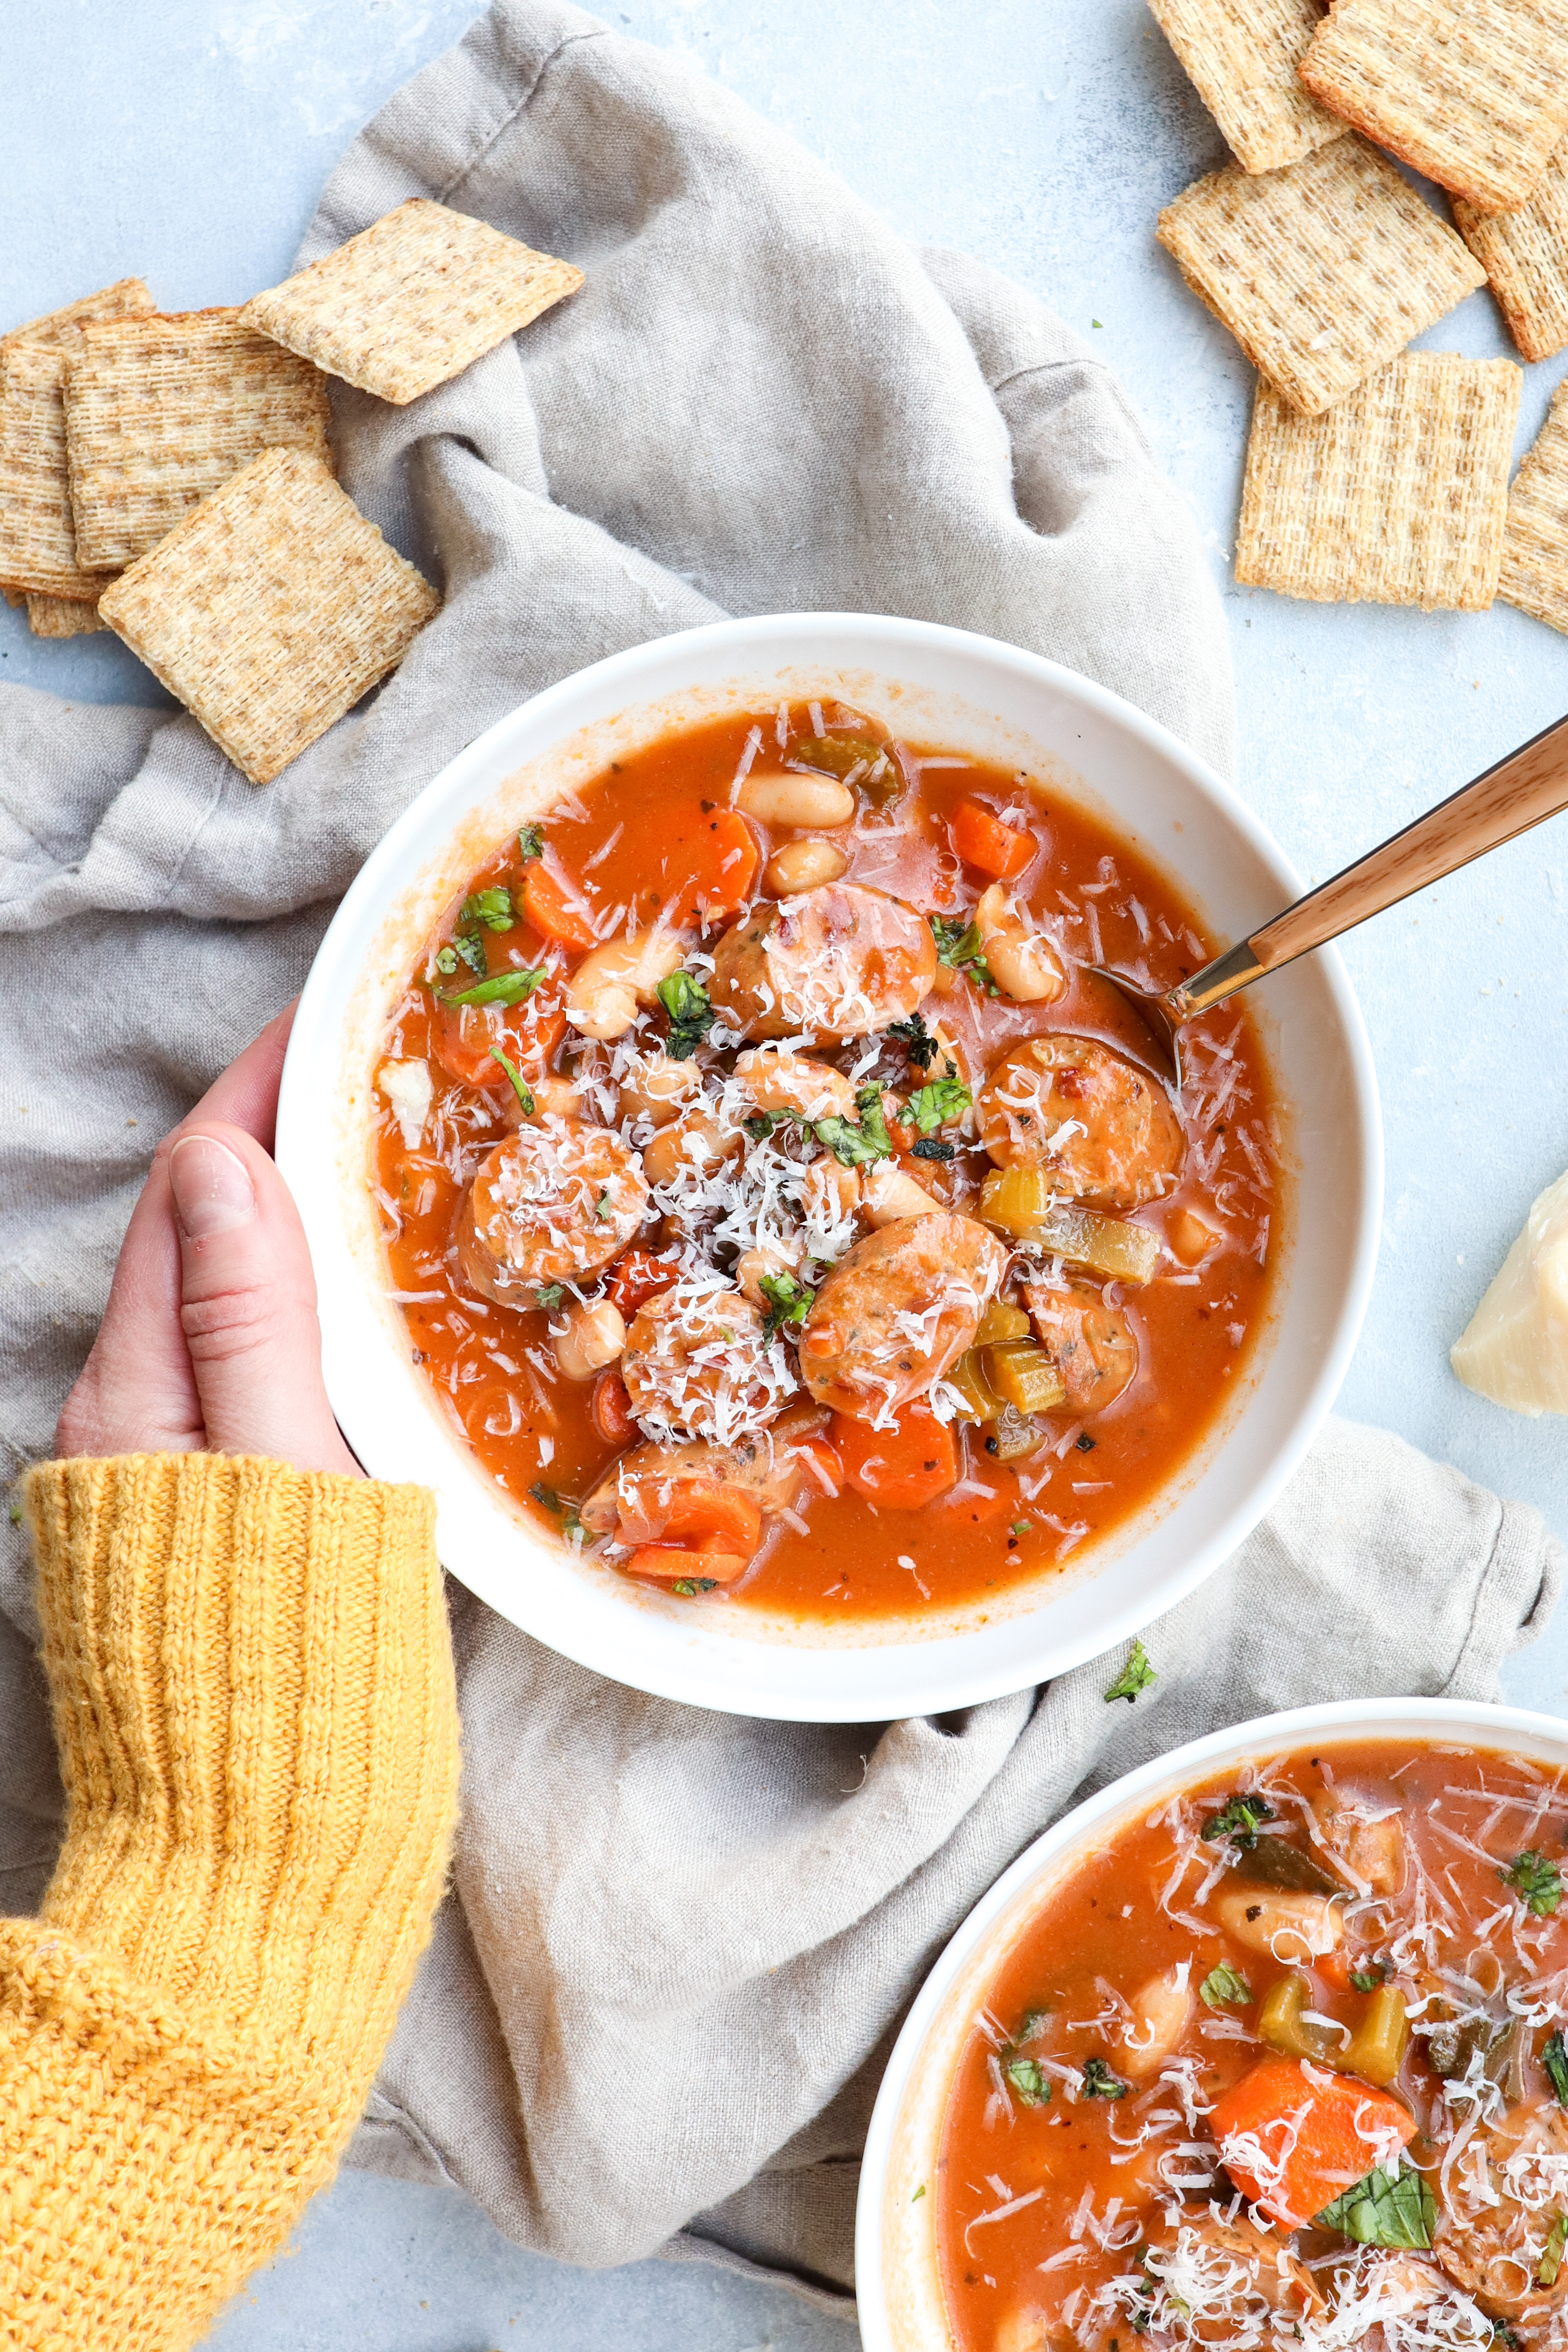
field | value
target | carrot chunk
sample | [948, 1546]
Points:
[669, 1560]
[984, 842]
[716, 1514]
[900, 1467]
[528, 1034]
[552, 913]
[638, 1276]
[729, 868]
[1293, 2139]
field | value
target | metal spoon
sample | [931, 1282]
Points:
[1523, 790]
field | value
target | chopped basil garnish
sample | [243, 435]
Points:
[961, 948]
[685, 1000]
[943, 1099]
[1135, 1676]
[851, 1144]
[789, 1303]
[1239, 1820]
[1554, 2058]
[601, 1206]
[686, 1585]
[1368, 1979]
[1551, 2259]
[465, 949]
[550, 1297]
[515, 1079]
[491, 909]
[530, 842]
[763, 1125]
[1099, 2083]
[1027, 2079]
[1378, 2211]
[918, 1041]
[1035, 2021]
[931, 1147]
[1222, 1984]
[1086, 1443]
[1537, 1882]
[501, 988]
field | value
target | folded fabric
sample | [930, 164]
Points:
[655, 2009]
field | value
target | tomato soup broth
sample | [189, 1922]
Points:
[689, 838]
[1281, 2063]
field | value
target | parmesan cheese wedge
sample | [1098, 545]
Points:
[1515, 1350]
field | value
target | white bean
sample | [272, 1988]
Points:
[1022, 962]
[1162, 2011]
[829, 1191]
[610, 984]
[1288, 1928]
[658, 1088]
[802, 865]
[1190, 1237]
[797, 799]
[595, 1337]
[777, 1079]
[887, 1194]
[694, 1140]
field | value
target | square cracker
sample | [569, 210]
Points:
[1525, 255]
[271, 609]
[1535, 545]
[63, 616]
[1397, 496]
[1321, 271]
[412, 301]
[1242, 56]
[38, 541]
[1472, 92]
[160, 411]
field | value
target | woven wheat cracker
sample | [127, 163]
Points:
[412, 301]
[63, 616]
[1525, 257]
[271, 609]
[1534, 573]
[1321, 271]
[160, 411]
[37, 542]
[1397, 496]
[1473, 92]
[1242, 56]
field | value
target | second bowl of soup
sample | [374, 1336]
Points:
[1263, 2046]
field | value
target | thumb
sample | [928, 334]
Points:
[248, 1303]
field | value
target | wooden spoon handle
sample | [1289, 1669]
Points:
[1526, 788]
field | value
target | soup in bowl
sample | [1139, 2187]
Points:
[1263, 2046]
[787, 1252]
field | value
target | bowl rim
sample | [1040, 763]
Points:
[931, 1680]
[1491, 1723]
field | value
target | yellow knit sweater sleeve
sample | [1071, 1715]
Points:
[253, 1696]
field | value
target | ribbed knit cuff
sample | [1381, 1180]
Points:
[254, 1701]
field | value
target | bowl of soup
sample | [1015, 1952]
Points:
[1262, 2045]
[731, 1190]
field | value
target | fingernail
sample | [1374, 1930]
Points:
[211, 1187]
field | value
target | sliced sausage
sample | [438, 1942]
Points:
[897, 1311]
[1092, 1345]
[1103, 1128]
[698, 1364]
[552, 1203]
[837, 961]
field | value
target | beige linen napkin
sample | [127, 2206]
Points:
[678, 1944]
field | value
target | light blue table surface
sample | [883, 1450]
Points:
[188, 141]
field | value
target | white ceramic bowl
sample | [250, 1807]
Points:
[897, 2278]
[977, 696]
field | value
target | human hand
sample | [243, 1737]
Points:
[210, 1341]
